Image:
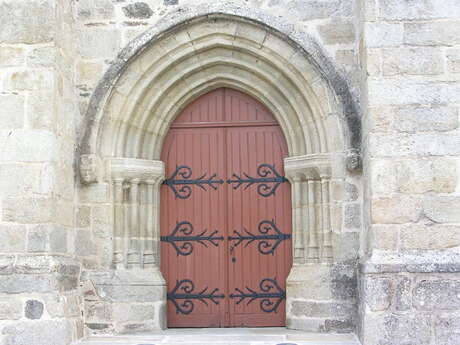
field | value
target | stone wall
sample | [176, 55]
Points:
[39, 277]
[401, 61]
[102, 30]
[410, 98]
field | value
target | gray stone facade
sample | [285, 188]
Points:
[367, 93]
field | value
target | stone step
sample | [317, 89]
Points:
[225, 336]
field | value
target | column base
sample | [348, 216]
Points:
[124, 301]
[321, 297]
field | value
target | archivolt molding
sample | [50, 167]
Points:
[161, 72]
[133, 107]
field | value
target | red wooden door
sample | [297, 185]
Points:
[225, 215]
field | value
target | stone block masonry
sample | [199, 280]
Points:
[379, 257]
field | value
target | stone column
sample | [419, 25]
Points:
[118, 226]
[134, 228]
[313, 248]
[326, 253]
[297, 221]
[135, 286]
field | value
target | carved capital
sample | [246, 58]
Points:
[136, 170]
[308, 167]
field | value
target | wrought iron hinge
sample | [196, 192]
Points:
[183, 297]
[271, 295]
[184, 173]
[268, 181]
[267, 242]
[183, 243]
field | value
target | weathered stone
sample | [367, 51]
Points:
[24, 179]
[28, 210]
[27, 22]
[83, 217]
[442, 209]
[381, 34]
[430, 237]
[98, 42]
[131, 312]
[94, 193]
[418, 9]
[412, 61]
[84, 244]
[6, 264]
[89, 72]
[374, 62]
[402, 296]
[10, 308]
[98, 312]
[11, 111]
[33, 309]
[95, 10]
[437, 294]
[397, 209]
[42, 57]
[399, 91]
[39, 115]
[343, 282]
[421, 119]
[312, 9]
[37, 240]
[377, 293]
[138, 10]
[453, 60]
[447, 330]
[352, 216]
[420, 176]
[384, 237]
[43, 332]
[23, 283]
[39, 79]
[397, 329]
[12, 238]
[11, 56]
[445, 33]
[337, 32]
[322, 309]
[102, 221]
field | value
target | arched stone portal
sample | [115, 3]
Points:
[140, 96]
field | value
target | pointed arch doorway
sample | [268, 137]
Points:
[225, 214]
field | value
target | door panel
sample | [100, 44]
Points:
[256, 153]
[188, 218]
[225, 215]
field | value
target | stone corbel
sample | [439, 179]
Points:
[353, 161]
[90, 168]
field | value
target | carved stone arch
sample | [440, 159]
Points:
[168, 67]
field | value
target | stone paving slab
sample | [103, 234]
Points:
[226, 336]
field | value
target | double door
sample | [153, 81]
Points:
[225, 215]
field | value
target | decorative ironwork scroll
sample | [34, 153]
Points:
[271, 295]
[183, 297]
[268, 181]
[182, 177]
[268, 242]
[181, 238]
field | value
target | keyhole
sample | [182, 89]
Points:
[233, 259]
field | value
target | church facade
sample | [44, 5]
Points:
[253, 163]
